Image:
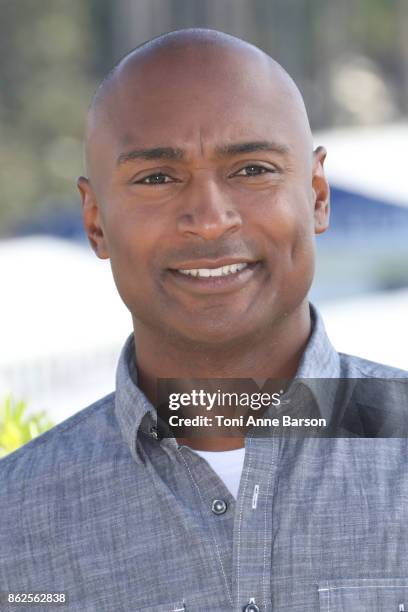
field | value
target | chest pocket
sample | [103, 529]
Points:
[382, 595]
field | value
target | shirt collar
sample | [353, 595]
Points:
[131, 404]
[320, 359]
[134, 411]
[319, 365]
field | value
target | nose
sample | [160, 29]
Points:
[207, 211]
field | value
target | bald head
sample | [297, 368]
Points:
[194, 42]
[191, 59]
[185, 42]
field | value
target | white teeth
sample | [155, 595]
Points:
[223, 271]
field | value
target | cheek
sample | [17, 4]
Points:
[301, 244]
[291, 246]
[301, 259]
[303, 254]
[288, 221]
[132, 250]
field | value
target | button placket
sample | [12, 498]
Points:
[251, 606]
[253, 525]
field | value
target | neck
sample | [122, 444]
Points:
[275, 354]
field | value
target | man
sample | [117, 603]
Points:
[205, 194]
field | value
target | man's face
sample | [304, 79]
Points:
[204, 167]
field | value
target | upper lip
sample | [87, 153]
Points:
[211, 263]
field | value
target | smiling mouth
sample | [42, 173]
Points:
[225, 278]
[215, 272]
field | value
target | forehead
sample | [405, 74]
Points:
[191, 98]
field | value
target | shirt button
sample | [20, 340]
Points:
[154, 432]
[219, 506]
[251, 608]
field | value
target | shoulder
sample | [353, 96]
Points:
[377, 398]
[75, 438]
[352, 366]
[52, 478]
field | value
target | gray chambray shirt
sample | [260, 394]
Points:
[120, 520]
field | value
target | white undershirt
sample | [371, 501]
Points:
[227, 464]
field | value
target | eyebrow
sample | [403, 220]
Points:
[229, 150]
[155, 153]
[252, 147]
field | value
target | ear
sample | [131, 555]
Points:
[321, 191]
[91, 218]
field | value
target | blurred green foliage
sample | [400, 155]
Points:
[47, 78]
[17, 427]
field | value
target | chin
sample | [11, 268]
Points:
[216, 335]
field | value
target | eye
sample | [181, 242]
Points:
[254, 170]
[158, 178]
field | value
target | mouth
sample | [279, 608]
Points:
[209, 277]
[214, 272]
